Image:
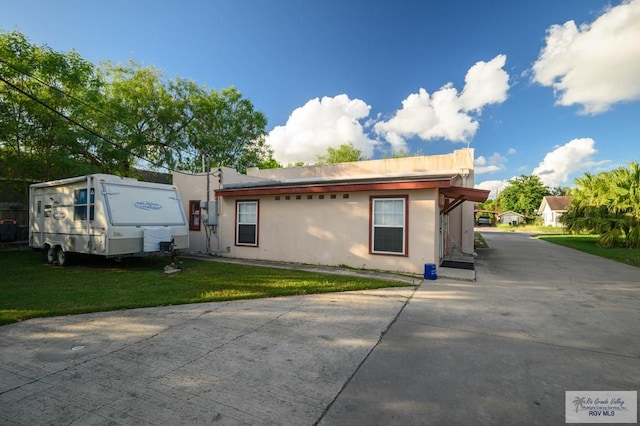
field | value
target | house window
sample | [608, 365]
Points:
[247, 223]
[194, 215]
[389, 225]
[80, 204]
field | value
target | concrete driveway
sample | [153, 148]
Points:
[267, 361]
[540, 320]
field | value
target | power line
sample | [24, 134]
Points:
[64, 93]
[57, 89]
[82, 126]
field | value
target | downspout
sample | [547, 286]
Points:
[218, 207]
[207, 234]
[464, 173]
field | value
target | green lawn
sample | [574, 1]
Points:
[588, 244]
[528, 228]
[30, 288]
[479, 241]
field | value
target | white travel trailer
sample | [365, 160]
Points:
[105, 215]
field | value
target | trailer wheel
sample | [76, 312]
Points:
[63, 257]
[50, 254]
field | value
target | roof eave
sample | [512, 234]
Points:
[336, 187]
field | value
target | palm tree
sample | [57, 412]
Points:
[608, 204]
[626, 201]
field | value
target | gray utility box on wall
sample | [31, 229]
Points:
[212, 213]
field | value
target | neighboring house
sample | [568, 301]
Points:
[394, 214]
[511, 218]
[552, 208]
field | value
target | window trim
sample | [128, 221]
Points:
[237, 223]
[195, 214]
[405, 235]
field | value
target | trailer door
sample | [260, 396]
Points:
[37, 218]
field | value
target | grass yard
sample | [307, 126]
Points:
[479, 241]
[30, 288]
[528, 228]
[588, 244]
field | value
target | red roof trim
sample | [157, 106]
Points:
[466, 194]
[456, 195]
[344, 187]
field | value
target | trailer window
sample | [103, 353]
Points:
[81, 204]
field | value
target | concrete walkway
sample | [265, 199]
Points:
[539, 320]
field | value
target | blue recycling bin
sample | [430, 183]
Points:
[430, 271]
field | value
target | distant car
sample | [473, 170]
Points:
[484, 221]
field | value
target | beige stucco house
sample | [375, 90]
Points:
[393, 214]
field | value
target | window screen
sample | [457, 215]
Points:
[247, 223]
[388, 225]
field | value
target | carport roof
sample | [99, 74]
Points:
[456, 195]
[469, 194]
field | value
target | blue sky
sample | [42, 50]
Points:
[547, 87]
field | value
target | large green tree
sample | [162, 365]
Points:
[61, 116]
[607, 204]
[176, 123]
[523, 195]
[36, 143]
[226, 129]
[343, 154]
[143, 118]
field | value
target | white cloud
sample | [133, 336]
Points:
[495, 186]
[485, 83]
[511, 151]
[429, 117]
[447, 114]
[318, 125]
[573, 157]
[491, 164]
[595, 65]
